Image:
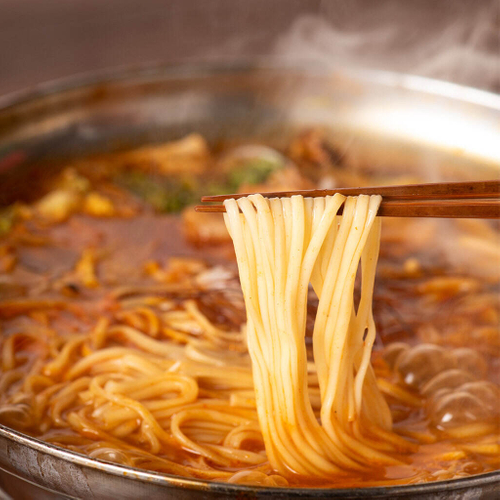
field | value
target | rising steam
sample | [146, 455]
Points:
[452, 40]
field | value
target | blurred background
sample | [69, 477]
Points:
[456, 40]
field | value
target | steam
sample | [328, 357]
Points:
[452, 40]
[457, 41]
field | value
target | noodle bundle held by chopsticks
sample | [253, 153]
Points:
[282, 245]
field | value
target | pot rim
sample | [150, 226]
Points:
[122, 74]
[142, 475]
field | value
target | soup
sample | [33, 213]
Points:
[123, 332]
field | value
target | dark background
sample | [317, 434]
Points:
[42, 40]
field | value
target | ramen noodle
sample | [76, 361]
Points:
[282, 245]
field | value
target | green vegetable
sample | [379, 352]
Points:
[252, 171]
[6, 220]
[172, 194]
[164, 194]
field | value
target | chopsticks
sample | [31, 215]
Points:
[479, 199]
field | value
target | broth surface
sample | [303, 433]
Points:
[121, 321]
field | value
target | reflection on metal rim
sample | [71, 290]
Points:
[411, 82]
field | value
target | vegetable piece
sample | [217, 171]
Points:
[98, 205]
[189, 155]
[6, 220]
[250, 165]
[59, 204]
[164, 194]
[204, 229]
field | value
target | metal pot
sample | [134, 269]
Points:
[394, 120]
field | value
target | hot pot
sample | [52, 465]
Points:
[390, 119]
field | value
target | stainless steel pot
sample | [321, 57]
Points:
[392, 119]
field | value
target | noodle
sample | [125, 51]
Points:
[281, 245]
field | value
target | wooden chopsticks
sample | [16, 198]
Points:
[480, 199]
